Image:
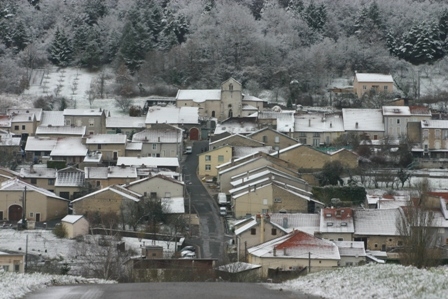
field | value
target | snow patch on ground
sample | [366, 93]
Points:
[15, 285]
[373, 281]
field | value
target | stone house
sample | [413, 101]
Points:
[40, 204]
[318, 129]
[69, 182]
[12, 262]
[111, 146]
[93, 119]
[124, 124]
[379, 83]
[396, 118]
[257, 230]
[24, 121]
[273, 138]
[336, 224]
[430, 138]
[293, 251]
[236, 140]
[60, 131]
[209, 160]
[355, 122]
[160, 140]
[156, 187]
[101, 177]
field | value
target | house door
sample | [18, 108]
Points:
[37, 217]
[194, 134]
[15, 213]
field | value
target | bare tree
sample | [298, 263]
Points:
[416, 226]
[123, 103]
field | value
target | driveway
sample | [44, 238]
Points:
[211, 228]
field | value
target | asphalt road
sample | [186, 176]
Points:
[211, 228]
[165, 290]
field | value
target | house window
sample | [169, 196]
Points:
[208, 167]
[438, 133]
[51, 182]
[23, 127]
[264, 211]
[1, 215]
[31, 214]
[6, 268]
[220, 158]
[274, 231]
[316, 142]
[398, 121]
[91, 122]
[265, 202]
[68, 122]
[302, 134]
[98, 183]
[99, 146]
[153, 194]
[16, 268]
[208, 158]
[167, 194]
[340, 239]
[91, 132]
[276, 139]
[231, 87]
[376, 245]
[154, 146]
[400, 243]
[213, 113]
[277, 200]
[33, 181]
[385, 87]
[425, 133]
[16, 127]
[364, 87]
[349, 264]
[316, 134]
[265, 138]
[302, 140]
[253, 231]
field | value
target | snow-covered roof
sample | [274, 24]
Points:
[363, 120]
[5, 121]
[172, 115]
[110, 172]
[54, 118]
[25, 113]
[238, 267]
[66, 147]
[318, 123]
[71, 218]
[366, 77]
[236, 126]
[336, 220]
[173, 205]
[38, 171]
[376, 222]
[285, 119]
[406, 111]
[434, 124]
[116, 189]
[8, 139]
[125, 122]
[83, 112]
[247, 107]
[106, 139]
[351, 248]
[61, 130]
[134, 146]
[69, 177]
[297, 245]
[35, 143]
[159, 135]
[308, 223]
[242, 151]
[149, 161]
[236, 136]
[199, 95]
[15, 184]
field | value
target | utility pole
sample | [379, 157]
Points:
[24, 208]
[26, 254]
[309, 262]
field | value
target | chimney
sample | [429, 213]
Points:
[275, 251]
[331, 125]
[309, 122]
[356, 125]
[32, 168]
[261, 229]
[285, 222]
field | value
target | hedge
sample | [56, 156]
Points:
[354, 194]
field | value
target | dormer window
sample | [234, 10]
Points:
[231, 87]
[328, 215]
[343, 223]
[329, 223]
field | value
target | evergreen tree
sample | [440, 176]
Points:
[315, 16]
[19, 37]
[256, 7]
[60, 51]
[296, 7]
[91, 56]
[443, 25]
[420, 45]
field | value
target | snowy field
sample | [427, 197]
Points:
[373, 281]
[14, 285]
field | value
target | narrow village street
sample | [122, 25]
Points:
[211, 238]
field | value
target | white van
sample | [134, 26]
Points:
[222, 199]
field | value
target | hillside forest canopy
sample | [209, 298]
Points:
[265, 44]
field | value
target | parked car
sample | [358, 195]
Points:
[223, 211]
[187, 254]
[189, 248]
[188, 150]
[222, 199]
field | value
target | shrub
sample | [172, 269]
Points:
[60, 231]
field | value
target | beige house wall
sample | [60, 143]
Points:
[104, 202]
[71, 190]
[48, 207]
[310, 138]
[348, 158]
[42, 183]
[287, 263]
[337, 236]
[9, 261]
[208, 161]
[231, 99]
[107, 150]
[158, 185]
[79, 228]
[24, 127]
[361, 88]
[246, 239]
[377, 242]
[161, 149]
[394, 129]
[274, 139]
[284, 200]
[95, 124]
